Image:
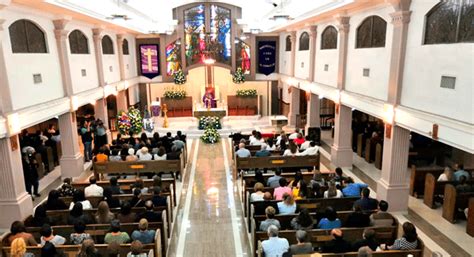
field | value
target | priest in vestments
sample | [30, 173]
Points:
[209, 100]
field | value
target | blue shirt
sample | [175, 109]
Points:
[262, 153]
[286, 209]
[353, 189]
[459, 173]
[243, 153]
[274, 181]
[145, 237]
[324, 223]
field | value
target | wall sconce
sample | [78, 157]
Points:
[308, 96]
[74, 103]
[388, 118]
[110, 90]
[434, 132]
[14, 125]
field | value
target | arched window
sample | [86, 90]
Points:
[371, 32]
[304, 41]
[450, 22]
[107, 45]
[288, 44]
[329, 38]
[78, 42]
[125, 47]
[27, 37]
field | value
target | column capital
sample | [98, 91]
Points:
[342, 23]
[400, 18]
[293, 37]
[120, 38]
[97, 34]
[313, 31]
[60, 24]
[399, 5]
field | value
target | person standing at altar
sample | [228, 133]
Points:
[209, 100]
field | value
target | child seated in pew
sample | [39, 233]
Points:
[116, 235]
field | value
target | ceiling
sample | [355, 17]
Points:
[147, 16]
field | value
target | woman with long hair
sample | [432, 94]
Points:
[330, 221]
[18, 248]
[332, 191]
[257, 195]
[77, 214]
[126, 215]
[301, 190]
[104, 215]
[88, 249]
[448, 175]
[54, 202]
[288, 205]
[292, 149]
[303, 220]
[409, 240]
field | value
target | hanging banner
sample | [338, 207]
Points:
[149, 61]
[266, 57]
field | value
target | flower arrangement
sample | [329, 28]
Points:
[136, 121]
[175, 93]
[179, 77]
[246, 93]
[209, 122]
[210, 136]
[123, 123]
[238, 77]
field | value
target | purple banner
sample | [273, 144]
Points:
[149, 61]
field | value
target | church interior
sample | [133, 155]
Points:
[218, 128]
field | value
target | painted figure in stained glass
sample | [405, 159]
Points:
[173, 57]
[194, 34]
[220, 32]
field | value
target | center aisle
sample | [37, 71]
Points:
[212, 222]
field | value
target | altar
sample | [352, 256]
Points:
[213, 112]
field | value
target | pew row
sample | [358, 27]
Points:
[417, 178]
[453, 201]
[276, 162]
[391, 253]
[434, 188]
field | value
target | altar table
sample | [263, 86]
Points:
[218, 112]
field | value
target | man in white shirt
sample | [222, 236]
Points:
[306, 144]
[144, 155]
[252, 137]
[93, 189]
[294, 135]
[313, 149]
[274, 246]
[242, 152]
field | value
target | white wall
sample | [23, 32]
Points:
[376, 59]
[111, 60]
[134, 94]
[21, 67]
[424, 66]
[326, 56]
[285, 57]
[77, 62]
[301, 58]
[129, 61]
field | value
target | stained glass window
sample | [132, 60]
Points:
[450, 22]
[242, 53]
[194, 34]
[173, 57]
[329, 38]
[220, 33]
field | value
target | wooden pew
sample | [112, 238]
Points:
[72, 250]
[453, 201]
[276, 162]
[434, 188]
[367, 150]
[138, 167]
[168, 185]
[360, 144]
[378, 156]
[417, 178]
[391, 253]
[317, 237]
[470, 218]
[98, 231]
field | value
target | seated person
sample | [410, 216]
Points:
[263, 152]
[131, 157]
[116, 235]
[447, 175]
[353, 189]
[282, 189]
[79, 234]
[143, 235]
[292, 149]
[48, 236]
[18, 230]
[357, 218]
[144, 155]
[258, 193]
[39, 218]
[115, 187]
[93, 189]
[126, 215]
[274, 181]
[77, 214]
[79, 197]
[160, 155]
[339, 178]
[101, 156]
[18, 248]
[54, 202]
[332, 191]
[178, 144]
[270, 214]
[313, 149]
[365, 202]
[305, 144]
[382, 217]
[364, 251]
[368, 240]
[243, 152]
[50, 250]
[115, 156]
[158, 199]
[136, 250]
[461, 172]
[149, 214]
[140, 185]
[299, 139]
[463, 186]
[275, 246]
[260, 206]
[302, 247]
[66, 188]
[338, 244]
[174, 154]
[330, 221]
[103, 214]
[288, 205]
[300, 191]
[303, 220]
[136, 200]
[112, 201]
[409, 240]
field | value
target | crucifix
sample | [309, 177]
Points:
[148, 54]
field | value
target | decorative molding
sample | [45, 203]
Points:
[4, 3]
[3, 127]
[342, 23]
[400, 18]
[400, 5]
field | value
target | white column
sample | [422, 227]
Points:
[15, 202]
[341, 150]
[100, 112]
[5, 96]
[97, 36]
[293, 53]
[313, 32]
[121, 98]
[61, 41]
[312, 116]
[343, 26]
[72, 161]
[393, 186]
[294, 106]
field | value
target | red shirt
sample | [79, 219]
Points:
[298, 141]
